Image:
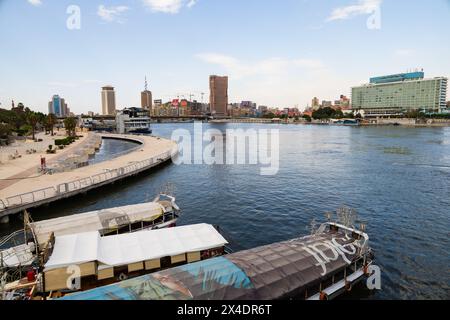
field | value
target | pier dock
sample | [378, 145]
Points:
[34, 192]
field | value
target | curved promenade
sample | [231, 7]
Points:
[34, 192]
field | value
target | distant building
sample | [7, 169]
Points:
[315, 104]
[58, 107]
[263, 110]
[327, 104]
[397, 94]
[342, 103]
[218, 95]
[146, 98]
[108, 101]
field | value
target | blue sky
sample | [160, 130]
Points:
[279, 53]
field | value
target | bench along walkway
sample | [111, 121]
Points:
[30, 193]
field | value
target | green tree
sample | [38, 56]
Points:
[415, 114]
[307, 118]
[32, 120]
[51, 121]
[70, 124]
[269, 115]
[5, 130]
[327, 113]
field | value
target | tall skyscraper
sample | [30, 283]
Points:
[146, 98]
[218, 95]
[108, 101]
[58, 106]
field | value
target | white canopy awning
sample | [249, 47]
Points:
[124, 249]
[96, 220]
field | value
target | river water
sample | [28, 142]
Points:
[398, 179]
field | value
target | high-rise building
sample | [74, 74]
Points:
[397, 94]
[218, 95]
[58, 106]
[327, 104]
[146, 98]
[315, 103]
[108, 101]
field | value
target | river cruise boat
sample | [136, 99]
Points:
[317, 267]
[133, 121]
[21, 249]
[345, 122]
[98, 261]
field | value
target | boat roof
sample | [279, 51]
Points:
[17, 256]
[124, 249]
[270, 272]
[110, 218]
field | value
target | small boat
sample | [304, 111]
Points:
[345, 122]
[317, 267]
[21, 249]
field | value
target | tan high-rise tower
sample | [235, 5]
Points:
[108, 101]
[146, 98]
[219, 95]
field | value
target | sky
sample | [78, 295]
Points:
[278, 53]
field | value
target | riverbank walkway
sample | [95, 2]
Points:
[37, 190]
[14, 170]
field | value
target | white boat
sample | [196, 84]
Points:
[21, 248]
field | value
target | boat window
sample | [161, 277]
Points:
[159, 220]
[147, 224]
[124, 229]
[120, 270]
[166, 262]
[136, 226]
[327, 283]
[312, 290]
[339, 276]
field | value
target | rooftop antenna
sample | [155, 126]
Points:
[146, 84]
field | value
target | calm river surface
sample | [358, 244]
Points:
[397, 178]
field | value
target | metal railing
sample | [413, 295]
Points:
[80, 184]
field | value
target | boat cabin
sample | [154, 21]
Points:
[112, 221]
[105, 260]
[317, 267]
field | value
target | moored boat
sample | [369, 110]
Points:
[21, 249]
[317, 267]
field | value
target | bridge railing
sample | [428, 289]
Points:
[80, 184]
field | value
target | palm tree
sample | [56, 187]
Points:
[51, 122]
[32, 120]
[70, 124]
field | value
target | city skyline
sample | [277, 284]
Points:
[301, 49]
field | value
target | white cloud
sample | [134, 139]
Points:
[277, 82]
[112, 14]
[404, 52]
[267, 67]
[35, 2]
[168, 6]
[363, 7]
[59, 84]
